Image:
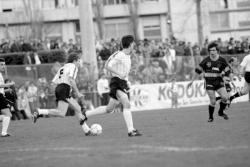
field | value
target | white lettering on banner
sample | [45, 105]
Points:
[197, 90]
[159, 96]
[139, 97]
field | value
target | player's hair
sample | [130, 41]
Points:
[126, 41]
[2, 60]
[72, 57]
[213, 45]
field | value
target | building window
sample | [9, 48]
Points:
[49, 4]
[217, 5]
[11, 5]
[219, 21]
[77, 26]
[114, 2]
[244, 23]
[243, 4]
[149, 1]
[116, 30]
[152, 32]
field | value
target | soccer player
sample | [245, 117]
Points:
[5, 114]
[65, 83]
[214, 68]
[232, 63]
[119, 65]
[245, 69]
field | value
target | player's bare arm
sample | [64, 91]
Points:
[198, 72]
[74, 87]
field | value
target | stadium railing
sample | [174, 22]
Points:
[21, 73]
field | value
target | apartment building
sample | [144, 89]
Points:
[156, 19]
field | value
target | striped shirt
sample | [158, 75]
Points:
[1, 82]
[121, 63]
[64, 74]
[246, 63]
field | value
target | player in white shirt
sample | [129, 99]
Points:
[65, 83]
[103, 89]
[245, 70]
[118, 65]
[5, 114]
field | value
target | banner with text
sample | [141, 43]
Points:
[159, 96]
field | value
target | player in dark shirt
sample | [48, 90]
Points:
[214, 68]
[233, 62]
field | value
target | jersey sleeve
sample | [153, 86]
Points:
[71, 71]
[56, 77]
[226, 70]
[244, 62]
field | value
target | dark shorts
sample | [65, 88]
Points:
[214, 85]
[228, 87]
[3, 102]
[247, 77]
[118, 84]
[62, 92]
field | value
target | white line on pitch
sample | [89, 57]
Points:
[150, 148]
[136, 148]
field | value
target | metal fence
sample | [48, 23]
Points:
[153, 70]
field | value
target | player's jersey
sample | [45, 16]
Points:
[64, 74]
[246, 63]
[121, 63]
[213, 69]
[1, 82]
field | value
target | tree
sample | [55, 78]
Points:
[34, 15]
[98, 10]
[199, 22]
[133, 10]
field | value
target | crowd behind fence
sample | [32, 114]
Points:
[33, 65]
[34, 87]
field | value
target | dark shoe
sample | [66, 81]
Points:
[83, 120]
[7, 135]
[210, 120]
[35, 116]
[83, 110]
[134, 133]
[89, 133]
[224, 116]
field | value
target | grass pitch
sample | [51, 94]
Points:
[173, 137]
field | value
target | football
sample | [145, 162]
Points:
[96, 129]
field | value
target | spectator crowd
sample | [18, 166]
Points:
[154, 62]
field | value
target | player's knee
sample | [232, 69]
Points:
[126, 105]
[109, 110]
[224, 98]
[9, 114]
[61, 115]
[212, 102]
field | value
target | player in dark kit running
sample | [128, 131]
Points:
[233, 63]
[214, 68]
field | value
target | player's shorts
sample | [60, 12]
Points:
[247, 77]
[62, 92]
[228, 87]
[215, 85]
[3, 102]
[118, 84]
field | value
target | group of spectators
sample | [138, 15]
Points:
[21, 44]
[157, 61]
[154, 62]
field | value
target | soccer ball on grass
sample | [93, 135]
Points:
[96, 129]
